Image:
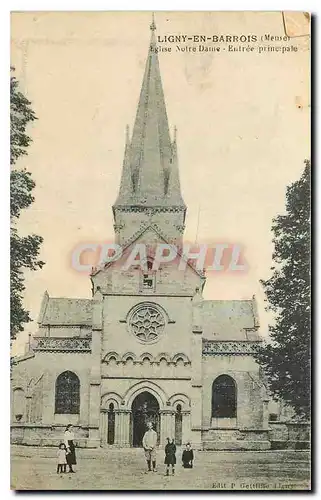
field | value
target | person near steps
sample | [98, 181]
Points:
[149, 445]
[69, 442]
[188, 457]
[61, 458]
[170, 456]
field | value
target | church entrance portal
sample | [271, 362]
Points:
[145, 408]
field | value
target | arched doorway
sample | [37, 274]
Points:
[145, 408]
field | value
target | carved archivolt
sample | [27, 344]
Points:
[112, 356]
[180, 399]
[111, 397]
[146, 357]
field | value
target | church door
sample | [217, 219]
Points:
[145, 408]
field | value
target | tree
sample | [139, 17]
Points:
[24, 250]
[286, 356]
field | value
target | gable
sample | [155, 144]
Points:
[123, 276]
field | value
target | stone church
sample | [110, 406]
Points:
[146, 346]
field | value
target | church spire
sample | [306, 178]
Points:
[174, 187]
[150, 177]
[151, 144]
[126, 187]
[150, 157]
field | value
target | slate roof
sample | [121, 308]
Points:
[65, 311]
[227, 320]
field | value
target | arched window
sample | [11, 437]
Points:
[224, 397]
[67, 393]
[19, 404]
[178, 425]
[111, 424]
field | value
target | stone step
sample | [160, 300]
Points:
[236, 445]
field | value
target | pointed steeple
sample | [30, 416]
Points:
[151, 144]
[126, 185]
[174, 186]
[150, 178]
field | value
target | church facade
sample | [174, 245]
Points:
[146, 346]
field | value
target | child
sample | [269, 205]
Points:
[170, 457]
[61, 456]
[188, 457]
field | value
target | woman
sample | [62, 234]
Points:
[69, 442]
[170, 456]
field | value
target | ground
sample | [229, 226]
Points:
[34, 468]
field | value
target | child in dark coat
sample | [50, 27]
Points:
[170, 456]
[188, 457]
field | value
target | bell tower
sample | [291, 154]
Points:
[149, 192]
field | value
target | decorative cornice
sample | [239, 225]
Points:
[62, 344]
[217, 348]
[152, 360]
[141, 208]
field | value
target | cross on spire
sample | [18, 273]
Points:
[153, 25]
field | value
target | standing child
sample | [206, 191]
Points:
[170, 456]
[61, 456]
[188, 457]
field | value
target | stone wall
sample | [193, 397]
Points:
[46, 435]
[245, 371]
[292, 435]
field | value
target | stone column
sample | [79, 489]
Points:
[171, 424]
[196, 390]
[123, 428]
[265, 414]
[28, 409]
[165, 425]
[196, 379]
[48, 398]
[95, 373]
[118, 427]
[186, 427]
[103, 428]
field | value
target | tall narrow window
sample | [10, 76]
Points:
[111, 424]
[67, 393]
[178, 425]
[224, 397]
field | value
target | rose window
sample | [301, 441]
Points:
[147, 322]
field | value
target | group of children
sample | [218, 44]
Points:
[170, 456]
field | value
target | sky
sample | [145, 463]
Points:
[243, 133]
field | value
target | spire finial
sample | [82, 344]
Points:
[127, 134]
[153, 25]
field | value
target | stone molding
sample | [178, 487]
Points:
[155, 209]
[62, 344]
[152, 360]
[237, 348]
